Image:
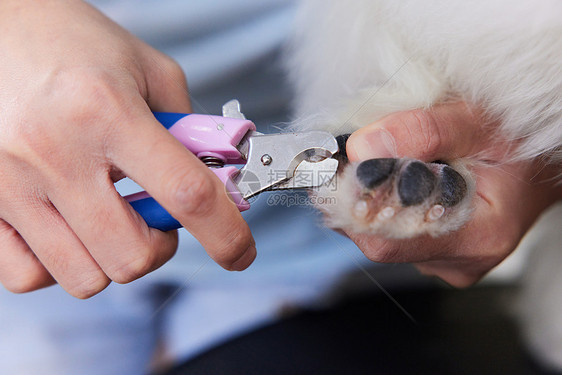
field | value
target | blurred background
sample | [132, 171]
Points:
[310, 304]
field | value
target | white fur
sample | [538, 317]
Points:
[353, 62]
[356, 61]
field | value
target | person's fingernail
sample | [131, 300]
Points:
[370, 144]
[246, 259]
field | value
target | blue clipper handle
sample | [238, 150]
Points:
[168, 119]
[150, 210]
[155, 215]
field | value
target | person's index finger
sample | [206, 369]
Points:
[443, 132]
[148, 154]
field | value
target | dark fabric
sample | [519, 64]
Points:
[455, 332]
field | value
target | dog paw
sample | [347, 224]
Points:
[398, 198]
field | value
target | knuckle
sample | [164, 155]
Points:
[25, 143]
[99, 94]
[142, 252]
[380, 252]
[192, 193]
[144, 262]
[23, 276]
[424, 133]
[384, 254]
[174, 69]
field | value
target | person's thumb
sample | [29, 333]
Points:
[443, 132]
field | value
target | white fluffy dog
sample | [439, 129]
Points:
[354, 62]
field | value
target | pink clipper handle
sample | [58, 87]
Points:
[205, 136]
[215, 136]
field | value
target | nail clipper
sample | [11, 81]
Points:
[270, 161]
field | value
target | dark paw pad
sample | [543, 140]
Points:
[403, 198]
[372, 173]
[416, 184]
[453, 187]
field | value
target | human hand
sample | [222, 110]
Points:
[76, 96]
[510, 195]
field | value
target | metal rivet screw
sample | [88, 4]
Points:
[220, 126]
[266, 159]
